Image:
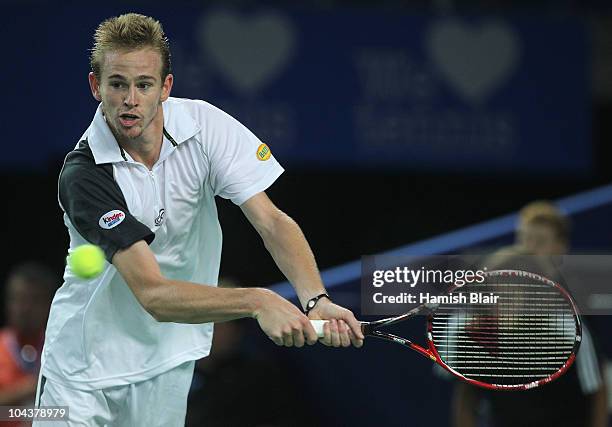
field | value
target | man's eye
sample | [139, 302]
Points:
[117, 85]
[144, 85]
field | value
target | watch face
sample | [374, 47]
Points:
[311, 303]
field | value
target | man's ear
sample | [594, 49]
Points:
[167, 87]
[94, 85]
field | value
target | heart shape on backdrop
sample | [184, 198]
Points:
[474, 61]
[248, 51]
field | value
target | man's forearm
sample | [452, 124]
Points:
[293, 256]
[185, 302]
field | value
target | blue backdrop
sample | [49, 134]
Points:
[341, 89]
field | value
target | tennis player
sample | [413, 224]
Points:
[141, 182]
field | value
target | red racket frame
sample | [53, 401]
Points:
[369, 329]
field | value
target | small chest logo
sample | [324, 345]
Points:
[111, 219]
[160, 217]
[263, 152]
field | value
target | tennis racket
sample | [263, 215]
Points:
[528, 338]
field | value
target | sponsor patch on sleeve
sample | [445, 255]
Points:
[111, 219]
[263, 152]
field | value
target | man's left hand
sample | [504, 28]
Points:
[342, 329]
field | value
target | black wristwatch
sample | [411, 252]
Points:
[313, 301]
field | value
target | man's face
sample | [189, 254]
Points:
[27, 305]
[131, 91]
[540, 239]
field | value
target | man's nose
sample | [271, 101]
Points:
[131, 98]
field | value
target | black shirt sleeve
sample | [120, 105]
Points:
[87, 192]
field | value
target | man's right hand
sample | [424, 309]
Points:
[282, 321]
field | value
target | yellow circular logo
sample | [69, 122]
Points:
[263, 152]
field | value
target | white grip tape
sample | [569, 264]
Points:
[318, 327]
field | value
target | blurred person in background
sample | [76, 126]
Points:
[576, 399]
[29, 289]
[543, 230]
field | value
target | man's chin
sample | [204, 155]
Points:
[133, 132]
[122, 133]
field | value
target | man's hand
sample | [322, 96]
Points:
[283, 322]
[292, 254]
[342, 328]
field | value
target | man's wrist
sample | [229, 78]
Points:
[314, 301]
[255, 300]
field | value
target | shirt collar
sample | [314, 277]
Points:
[179, 126]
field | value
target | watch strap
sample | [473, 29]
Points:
[312, 302]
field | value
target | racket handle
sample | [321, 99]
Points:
[318, 327]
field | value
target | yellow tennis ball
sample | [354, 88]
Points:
[86, 261]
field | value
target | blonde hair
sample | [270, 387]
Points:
[129, 32]
[546, 213]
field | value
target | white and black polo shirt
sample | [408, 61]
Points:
[98, 335]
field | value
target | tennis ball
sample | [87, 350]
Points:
[86, 261]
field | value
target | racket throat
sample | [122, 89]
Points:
[403, 342]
